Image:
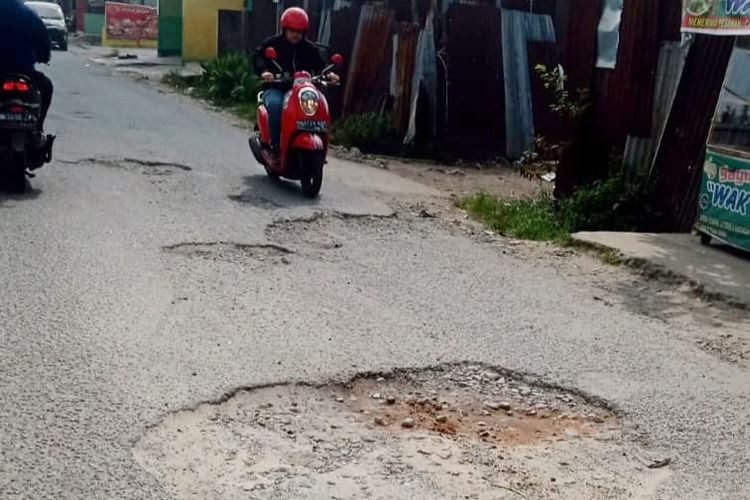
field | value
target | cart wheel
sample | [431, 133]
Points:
[705, 239]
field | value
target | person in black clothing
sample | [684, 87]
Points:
[294, 53]
[24, 42]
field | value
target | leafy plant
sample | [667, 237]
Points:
[620, 202]
[229, 79]
[544, 155]
[572, 109]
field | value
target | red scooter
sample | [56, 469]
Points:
[305, 130]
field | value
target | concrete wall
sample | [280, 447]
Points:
[200, 26]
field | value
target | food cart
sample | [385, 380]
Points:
[724, 201]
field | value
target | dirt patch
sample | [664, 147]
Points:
[221, 251]
[442, 433]
[466, 180]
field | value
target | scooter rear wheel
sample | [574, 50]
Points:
[14, 177]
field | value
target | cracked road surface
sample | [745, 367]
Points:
[105, 332]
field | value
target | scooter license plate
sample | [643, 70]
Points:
[17, 119]
[312, 126]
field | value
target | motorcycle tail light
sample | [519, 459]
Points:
[15, 86]
[16, 109]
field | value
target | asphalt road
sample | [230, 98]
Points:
[120, 304]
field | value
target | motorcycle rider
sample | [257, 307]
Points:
[295, 53]
[24, 42]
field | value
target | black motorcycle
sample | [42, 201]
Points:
[22, 148]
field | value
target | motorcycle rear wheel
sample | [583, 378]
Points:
[14, 177]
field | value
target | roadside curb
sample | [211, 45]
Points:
[655, 271]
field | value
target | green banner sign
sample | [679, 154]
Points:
[725, 199]
[716, 17]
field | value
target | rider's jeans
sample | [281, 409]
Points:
[274, 101]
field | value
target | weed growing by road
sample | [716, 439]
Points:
[529, 219]
[618, 203]
[227, 81]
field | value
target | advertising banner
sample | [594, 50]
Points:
[725, 199]
[131, 22]
[716, 17]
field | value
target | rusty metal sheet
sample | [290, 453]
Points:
[623, 97]
[475, 89]
[579, 49]
[344, 24]
[639, 151]
[670, 20]
[404, 60]
[369, 70]
[679, 160]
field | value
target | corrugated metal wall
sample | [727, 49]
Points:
[679, 160]
[405, 46]
[368, 80]
[639, 151]
[475, 101]
[624, 97]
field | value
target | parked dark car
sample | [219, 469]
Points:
[53, 17]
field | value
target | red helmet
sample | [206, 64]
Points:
[296, 19]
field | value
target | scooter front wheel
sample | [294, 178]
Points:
[273, 175]
[311, 172]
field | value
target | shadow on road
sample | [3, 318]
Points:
[29, 194]
[263, 192]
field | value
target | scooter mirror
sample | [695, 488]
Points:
[337, 59]
[271, 53]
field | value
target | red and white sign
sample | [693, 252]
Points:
[131, 22]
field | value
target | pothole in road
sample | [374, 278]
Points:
[149, 168]
[220, 251]
[321, 234]
[447, 432]
[256, 200]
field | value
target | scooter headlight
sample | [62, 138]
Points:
[309, 101]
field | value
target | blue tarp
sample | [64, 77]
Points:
[519, 28]
[425, 79]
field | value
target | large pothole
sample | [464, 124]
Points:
[240, 253]
[443, 433]
[150, 168]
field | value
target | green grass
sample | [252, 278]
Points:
[537, 218]
[528, 218]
